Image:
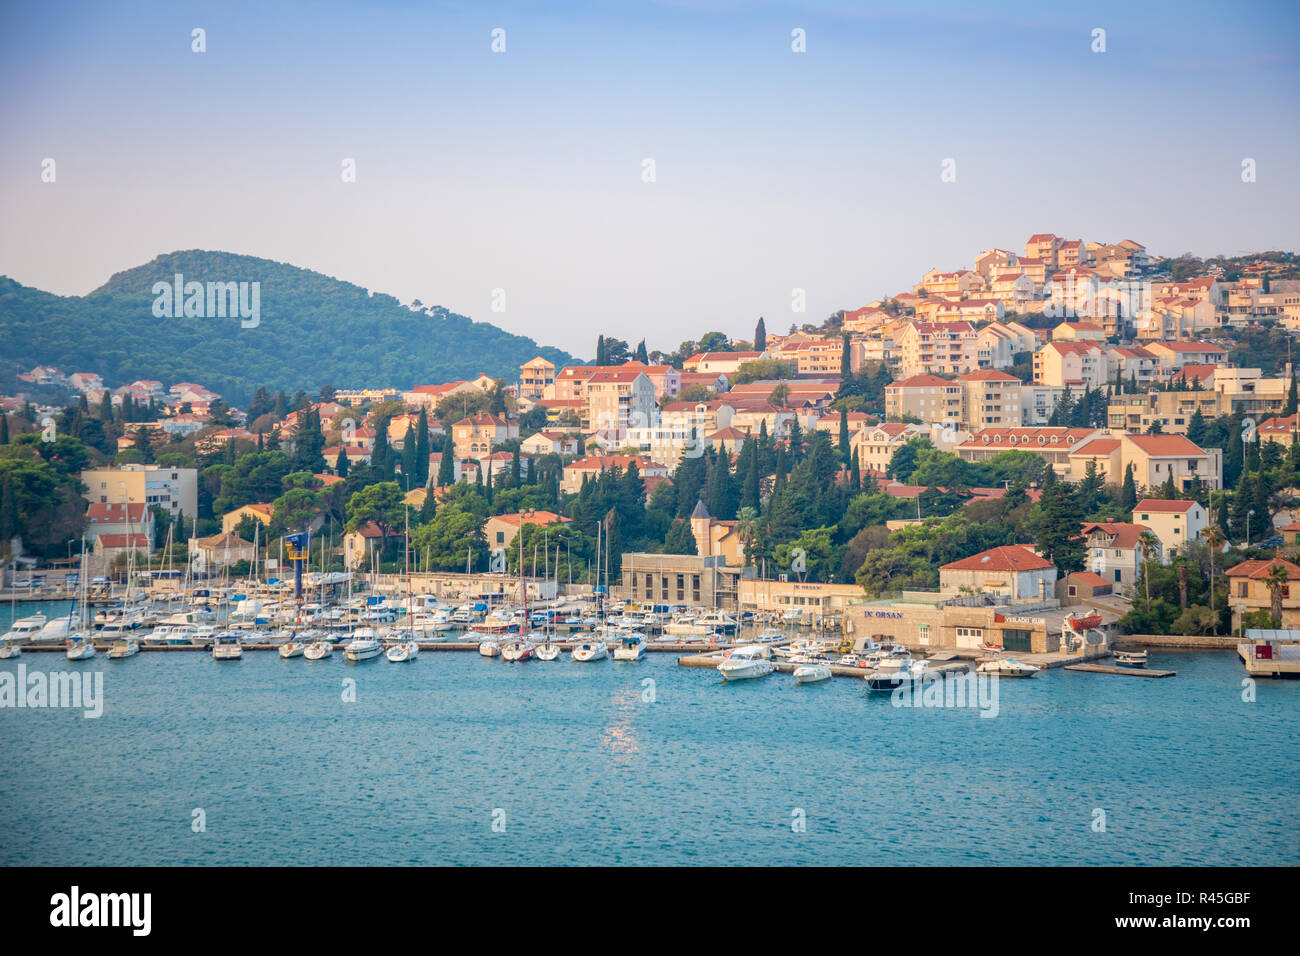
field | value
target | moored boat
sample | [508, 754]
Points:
[364, 645]
[548, 651]
[894, 673]
[123, 649]
[81, 647]
[745, 663]
[1131, 658]
[1007, 667]
[631, 647]
[812, 673]
[403, 651]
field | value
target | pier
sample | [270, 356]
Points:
[1123, 671]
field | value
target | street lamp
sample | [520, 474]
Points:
[1249, 514]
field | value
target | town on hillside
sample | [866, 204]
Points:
[978, 458]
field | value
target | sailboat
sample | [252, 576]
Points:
[406, 650]
[80, 640]
[521, 649]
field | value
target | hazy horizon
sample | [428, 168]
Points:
[522, 170]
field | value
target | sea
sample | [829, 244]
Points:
[457, 759]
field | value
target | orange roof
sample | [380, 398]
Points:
[987, 375]
[1088, 577]
[1005, 558]
[1164, 506]
[1122, 534]
[1164, 445]
[1259, 569]
[540, 518]
[920, 381]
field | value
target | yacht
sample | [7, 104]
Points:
[26, 628]
[81, 647]
[593, 650]
[894, 673]
[318, 650]
[631, 647]
[812, 672]
[226, 647]
[746, 662]
[56, 631]
[520, 650]
[1007, 667]
[548, 651]
[363, 646]
[405, 650]
[123, 649]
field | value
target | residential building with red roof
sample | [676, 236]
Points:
[1011, 572]
[1115, 551]
[1249, 591]
[1175, 522]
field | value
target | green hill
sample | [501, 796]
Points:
[312, 331]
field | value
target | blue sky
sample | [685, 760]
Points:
[522, 171]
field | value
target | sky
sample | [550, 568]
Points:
[519, 179]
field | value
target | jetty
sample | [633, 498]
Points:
[1122, 671]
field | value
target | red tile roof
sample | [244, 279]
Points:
[1164, 506]
[1005, 558]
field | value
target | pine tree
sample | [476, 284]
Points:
[1196, 428]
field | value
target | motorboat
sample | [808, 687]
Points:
[631, 647]
[364, 645]
[25, 628]
[403, 651]
[1131, 658]
[81, 647]
[489, 648]
[812, 672]
[226, 647]
[894, 673]
[548, 651]
[596, 650]
[1007, 667]
[745, 663]
[801, 649]
[292, 649]
[9, 649]
[769, 637]
[318, 650]
[55, 631]
[123, 649]
[520, 650]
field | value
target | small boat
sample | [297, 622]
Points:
[590, 651]
[404, 651]
[812, 673]
[123, 649]
[1085, 623]
[8, 650]
[521, 650]
[489, 648]
[769, 637]
[226, 647]
[894, 673]
[1007, 667]
[292, 649]
[548, 651]
[363, 646]
[745, 663]
[631, 647]
[1131, 658]
[81, 648]
[318, 650]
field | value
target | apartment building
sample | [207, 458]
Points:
[1172, 410]
[1052, 444]
[618, 398]
[175, 489]
[1175, 522]
[949, 348]
[1074, 364]
[535, 378]
[1154, 460]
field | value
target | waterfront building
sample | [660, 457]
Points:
[680, 579]
[1248, 590]
[174, 489]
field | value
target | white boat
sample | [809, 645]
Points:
[489, 648]
[801, 649]
[123, 649]
[1007, 667]
[81, 648]
[520, 650]
[26, 628]
[769, 637]
[8, 650]
[631, 647]
[745, 663]
[318, 650]
[1131, 658]
[812, 673]
[57, 630]
[548, 651]
[894, 673]
[226, 647]
[292, 649]
[590, 651]
[403, 651]
[363, 646]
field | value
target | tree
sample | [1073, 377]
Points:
[1214, 541]
[381, 503]
[1056, 526]
[447, 463]
[760, 336]
[1150, 543]
[1276, 580]
[1128, 498]
[341, 463]
[422, 448]
[680, 539]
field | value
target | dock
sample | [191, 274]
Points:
[1282, 660]
[1123, 671]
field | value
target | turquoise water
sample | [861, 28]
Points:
[585, 770]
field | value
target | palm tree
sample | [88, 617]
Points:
[747, 519]
[1214, 539]
[1150, 543]
[1276, 579]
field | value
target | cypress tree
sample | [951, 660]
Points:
[422, 448]
[341, 463]
[760, 336]
[1128, 498]
[846, 364]
[447, 466]
[1291, 399]
[855, 473]
[642, 355]
[4, 429]
[844, 435]
[409, 459]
